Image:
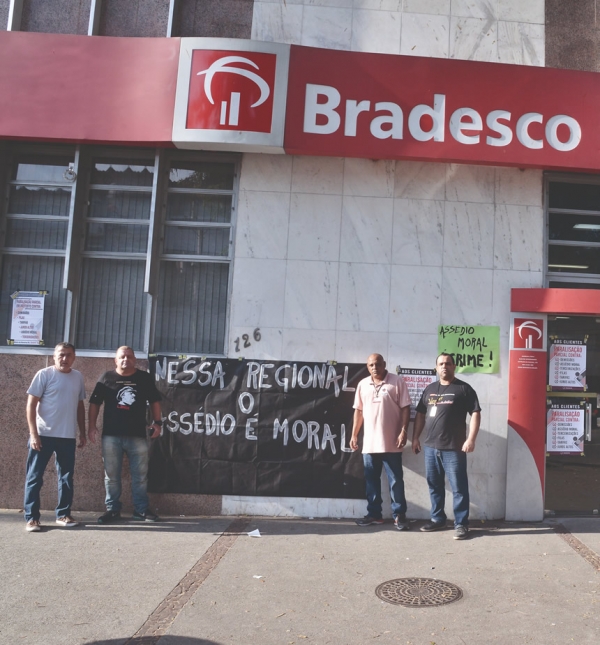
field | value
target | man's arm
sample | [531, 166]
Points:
[81, 424]
[34, 438]
[417, 430]
[157, 416]
[93, 411]
[404, 421]
[356, 426]
[469, 444]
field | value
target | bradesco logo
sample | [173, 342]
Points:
[528, 333]
[325, 113]
[231, 90]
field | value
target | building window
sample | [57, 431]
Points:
[142, 241]
[573, 232]
[194, 264]
[35, 238]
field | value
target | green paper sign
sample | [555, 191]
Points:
[474, 348]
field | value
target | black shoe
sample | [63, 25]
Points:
[367, 520]
[433, 526]
[109, 517]
[146, 516]
[401, 523]
[461, 532]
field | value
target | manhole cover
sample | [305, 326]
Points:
[418, 592]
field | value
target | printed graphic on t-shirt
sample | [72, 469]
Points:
[125, 397]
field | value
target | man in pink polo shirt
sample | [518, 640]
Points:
[382, 404]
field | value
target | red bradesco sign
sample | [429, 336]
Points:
[401, 107]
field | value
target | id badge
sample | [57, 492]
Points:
[433, 410]
[377, 399]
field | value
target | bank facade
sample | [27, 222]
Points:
[400, 166]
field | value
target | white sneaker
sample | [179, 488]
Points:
[66, 521]
[32, 526]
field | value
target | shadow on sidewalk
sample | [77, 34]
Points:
[154, 640]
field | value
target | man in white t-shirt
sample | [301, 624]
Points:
[54, 412]
[382, 404]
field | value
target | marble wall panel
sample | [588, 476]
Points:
[417, 351]
[467, 297]
[519, 11]
[315, 227]
[519, 238]
[415, 299]
[326, 26]
[269, 347]
[425, 35]
[308, 345]
[364, 297]
[418, 235]
[357, 346]
[382, 5]
[310, 295]
[486, 9]
[369, 178]
[258, 293]
[271, 173]
[262, 224]
[376, 31]
[468, 229]
[420, 180]
[321, 175]
[468, 183]
[519, 186]
[366, 230]
[521, 43]
[439, 7]
[474, 39]
[279, 22]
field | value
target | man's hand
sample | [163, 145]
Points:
[92, 433]
[35, 442]
[82, 440]
[416, 446]
[157, 429]
[354, 443]
[468, 446]
[402, 438]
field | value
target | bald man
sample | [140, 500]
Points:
[382, 407]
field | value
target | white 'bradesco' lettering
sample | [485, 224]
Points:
[325, 113]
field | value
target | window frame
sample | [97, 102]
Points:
[161, 159]
[568, 278]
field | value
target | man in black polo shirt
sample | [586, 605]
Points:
[442, 411]
[125, 391]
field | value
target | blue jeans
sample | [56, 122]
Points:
[136, 449]
[37, 460]
[373, 463]
[453, 464]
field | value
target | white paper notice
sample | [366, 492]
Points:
[27, 318]
[565, 428]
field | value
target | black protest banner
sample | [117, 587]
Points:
[256, 428]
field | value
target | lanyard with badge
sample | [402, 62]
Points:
[377, 388]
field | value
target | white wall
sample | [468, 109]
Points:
[338, 258]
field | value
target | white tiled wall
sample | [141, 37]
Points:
[338, 258]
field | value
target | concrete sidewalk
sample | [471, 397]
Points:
[192, 581]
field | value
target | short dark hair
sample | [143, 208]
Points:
[65, 345]
[445, 354]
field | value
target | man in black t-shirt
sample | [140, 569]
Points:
[442, 412]
[125, 392]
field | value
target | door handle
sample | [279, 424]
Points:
[588, 421]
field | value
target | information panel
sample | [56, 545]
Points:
[565, 428]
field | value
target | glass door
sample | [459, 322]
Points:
[573, 424]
